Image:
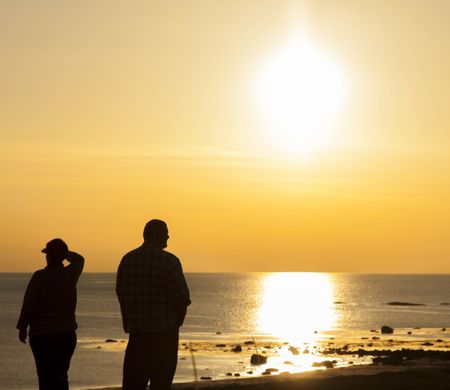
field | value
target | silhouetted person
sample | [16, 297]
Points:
[153, 297]
[49, 310]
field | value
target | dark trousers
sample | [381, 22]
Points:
[52, 354]
[150, 357]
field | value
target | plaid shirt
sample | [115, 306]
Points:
[151, 289]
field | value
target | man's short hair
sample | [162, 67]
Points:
[155, 229]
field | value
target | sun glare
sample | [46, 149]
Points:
[300, 90]
[295, 305]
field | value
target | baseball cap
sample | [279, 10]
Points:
[56, 247]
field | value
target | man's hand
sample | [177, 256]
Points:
[181, 316]
[74, 257]
[23, 335]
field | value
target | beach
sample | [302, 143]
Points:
[383, 362]
[424, 374]
[225, 356]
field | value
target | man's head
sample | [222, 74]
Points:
[156, 233]
[56, 251]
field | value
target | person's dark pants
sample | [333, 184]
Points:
[150, 356]
[52, 354]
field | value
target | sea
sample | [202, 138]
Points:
[260, 312]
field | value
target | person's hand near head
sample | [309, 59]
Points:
[73, 257]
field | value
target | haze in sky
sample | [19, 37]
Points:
[270, 135]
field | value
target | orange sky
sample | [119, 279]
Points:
[114, 113]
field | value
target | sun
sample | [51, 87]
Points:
[300, 91]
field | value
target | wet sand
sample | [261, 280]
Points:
[423, 374]
[408, 359]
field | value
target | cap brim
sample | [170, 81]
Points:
[44, 250]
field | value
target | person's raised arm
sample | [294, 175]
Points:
[76, 264]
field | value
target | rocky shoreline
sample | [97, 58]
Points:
[423, 374]
[249, 362]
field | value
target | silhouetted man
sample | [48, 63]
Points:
[153, 297]
[49, 310]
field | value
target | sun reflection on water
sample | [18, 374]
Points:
[294, 306]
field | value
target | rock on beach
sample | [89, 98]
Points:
[256, 359]
[386, 329]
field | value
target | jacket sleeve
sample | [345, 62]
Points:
[30, 302]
